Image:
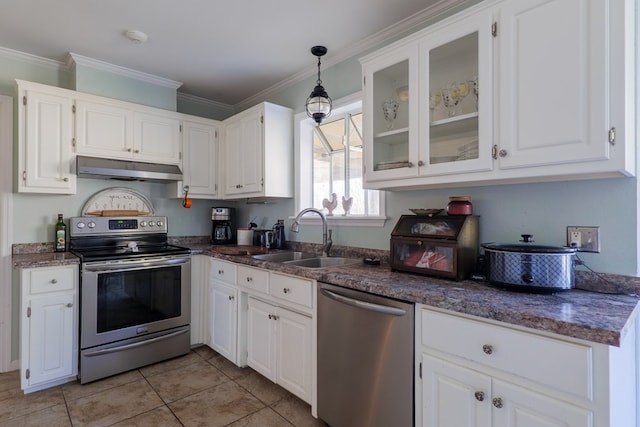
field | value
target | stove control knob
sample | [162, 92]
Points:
[159, 223]
[91, 224]
[143, 223]
[151, 223]
[80, 225]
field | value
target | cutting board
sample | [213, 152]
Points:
[238, 250]
[117, 212]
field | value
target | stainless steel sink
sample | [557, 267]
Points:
[284, 256]
[321, 262]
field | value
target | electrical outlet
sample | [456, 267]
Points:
[585, 239]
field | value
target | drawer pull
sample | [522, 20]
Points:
[286, 290]
[273, 317]
[488, 349]
[479, 396]
[249, 279]
[497, 402]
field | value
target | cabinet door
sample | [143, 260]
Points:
[554, 100]
[261, 332]
[46, 160]
[223, 309]
[50, 335]
[243, 147]
[515, 406]
[456, 65]
[454, 395]
[391, 115]
[156, 138]
[103, 130]
[294, 353]
[200, 148]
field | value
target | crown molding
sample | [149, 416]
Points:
[32, 59]
[401, 27]
[193, 99]
[75, 59]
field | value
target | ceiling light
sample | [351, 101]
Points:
[136, 36]
[318, 104]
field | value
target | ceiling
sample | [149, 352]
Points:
[225, 51]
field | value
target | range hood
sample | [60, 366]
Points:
[92, 167]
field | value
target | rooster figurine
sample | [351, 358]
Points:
[330, 205]
[346, 205]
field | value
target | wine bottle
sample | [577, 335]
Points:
[60, 244]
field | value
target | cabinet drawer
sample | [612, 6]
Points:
[56, 279]
[223, 271]
[253, 278]
[292, 289]
[565, 366]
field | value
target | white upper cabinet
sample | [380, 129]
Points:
[117, 130]
[46, 163]
[505, 90]
[156, 137]
[199, 159]
[554, 81]
[257, 153]
[103, 130]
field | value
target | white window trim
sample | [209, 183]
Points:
[304, 167]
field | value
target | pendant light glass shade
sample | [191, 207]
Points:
[318, 104]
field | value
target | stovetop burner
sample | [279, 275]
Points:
[112, 238]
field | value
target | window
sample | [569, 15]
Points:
[331, 166]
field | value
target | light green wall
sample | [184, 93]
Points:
[103, 83]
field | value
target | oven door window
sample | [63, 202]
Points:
[137, 297]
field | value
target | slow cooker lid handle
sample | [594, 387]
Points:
[527, 238]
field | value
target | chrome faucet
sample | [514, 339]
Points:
[326, 234]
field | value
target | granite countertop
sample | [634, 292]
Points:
[592, 316]
[579, 313]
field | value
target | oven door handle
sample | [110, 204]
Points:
[136, 344]
[120, 265]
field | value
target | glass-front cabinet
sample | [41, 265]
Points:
[390, 115]
[424, 114]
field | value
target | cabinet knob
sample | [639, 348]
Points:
[488, 349]
[70, 304]
[136, 151]
[249, 279]
[410, 164]
[420, 163]
[65, 179]
[497, 402]
[220, 272]
[129, 150]
[231, 297]
[479, 396]
[273, 317]
[502, 153]
[286, 290]
[54, 281]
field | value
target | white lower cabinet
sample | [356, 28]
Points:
[224, 320]
[477, 373]
[279, 346]
[48, 327]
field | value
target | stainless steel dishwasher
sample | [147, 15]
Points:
[365, 359]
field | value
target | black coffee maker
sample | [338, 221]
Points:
[223, 227]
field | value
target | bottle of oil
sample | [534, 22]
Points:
[60, 244]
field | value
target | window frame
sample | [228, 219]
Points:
[303, 154]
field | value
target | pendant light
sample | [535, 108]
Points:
[318, 104]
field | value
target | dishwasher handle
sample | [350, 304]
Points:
[364, 305]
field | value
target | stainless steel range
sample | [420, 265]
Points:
[134, 294]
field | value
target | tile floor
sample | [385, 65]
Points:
[199, 389]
